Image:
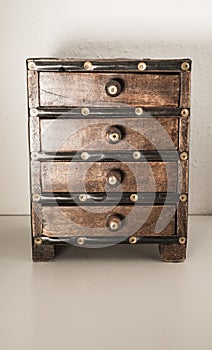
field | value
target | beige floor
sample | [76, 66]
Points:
[122, 297]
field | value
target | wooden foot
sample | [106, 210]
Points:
[172, 252]
[43, 252]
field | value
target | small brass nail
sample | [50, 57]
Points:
[134, 197]
[142, 66]
[133, 239]
[31, 65]
[184, 156]
[80, 240]
[85, 111]
[138, 111]
[82, 197]
[33, 112]
[136, 155]
[34, 155]
[182, 240]
[183, 197]
[38, 241]
[36, 197]
[84, 155]
[185, 66]
[185, 112]
[87, 65]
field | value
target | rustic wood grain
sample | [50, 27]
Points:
[182, 219]
[185, 89]
[184, 126]
[183, 177]
[33, 99]
[76, 221]
[172, 252]
[141, 177]
[66, 135]
[84, 89]
[43, 252]
[34, 127]
[36, 218]
[35, 177]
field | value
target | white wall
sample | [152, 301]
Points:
[133, 29]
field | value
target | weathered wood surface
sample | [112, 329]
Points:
[172, 252]
[84, 89]
[92, 177]
[79, 221]
[66, 135]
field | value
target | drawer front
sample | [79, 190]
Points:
[79, 89]
[109, 176]
[96, 221]
[68, 135]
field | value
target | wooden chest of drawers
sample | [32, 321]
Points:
[109, 153]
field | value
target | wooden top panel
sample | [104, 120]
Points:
[65, 89]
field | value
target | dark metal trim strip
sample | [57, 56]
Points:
[59, 65]
[94, 156]
[110, 240]
[111, 112]
[96, 199]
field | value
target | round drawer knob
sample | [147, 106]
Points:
[113, 134]
[114, 223]
[114, 177]
[114, 88]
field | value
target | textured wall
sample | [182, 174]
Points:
[101, 29]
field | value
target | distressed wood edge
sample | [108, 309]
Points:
[32, 86]
[35, 177]
[182, 218]
[172, 252]
[185, 90]
[34, 134]
[43, 253]
[183, 174]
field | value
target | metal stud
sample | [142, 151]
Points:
[82, 197]
[87, 65]
[85, 111]
[184, 156]
[185, 112]
[80, 240]
[84, 155]
[133, 239]
[33, 112]
[112, 180]
[138, 111]
[183, 197]
[134, 197]
[34, 155]
[182, 240]
[38, 241]
[31, 65]
[136, 155]
[142, 66]
[185, 66]
[36, 197]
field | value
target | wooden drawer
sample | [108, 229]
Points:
[68, 135]
[110, 176]
[95, 221]
[68, 89]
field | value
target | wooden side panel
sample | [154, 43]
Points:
[92, 221]
[66, 135]
[142, 177]
[84, 89]
[185, 89]
[33, 99]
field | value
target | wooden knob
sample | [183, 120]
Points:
[114, 87]
[114, 177]
[114, 134]
[114, 222]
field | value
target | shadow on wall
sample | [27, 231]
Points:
[200, 52]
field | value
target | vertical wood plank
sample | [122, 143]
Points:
[33, 99]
